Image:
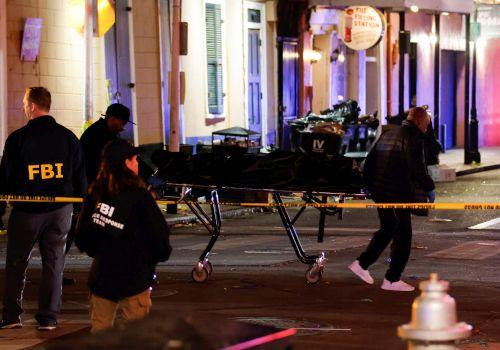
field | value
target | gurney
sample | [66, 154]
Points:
[202, 183]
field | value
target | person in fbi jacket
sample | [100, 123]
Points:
[42, 158]
[122, 228]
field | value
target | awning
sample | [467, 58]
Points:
[452, 6]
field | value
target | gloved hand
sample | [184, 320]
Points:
[432, 196]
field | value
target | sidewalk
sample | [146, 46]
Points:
[454, 158]
[185, 215]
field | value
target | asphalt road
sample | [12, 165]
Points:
[258, 279]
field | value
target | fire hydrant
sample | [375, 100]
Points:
[433, 323]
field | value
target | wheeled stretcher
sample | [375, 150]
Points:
[278, 173]
[189, 194]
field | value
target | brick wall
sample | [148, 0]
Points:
[59, 66]
[147, 71]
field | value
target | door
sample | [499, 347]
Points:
[254, 82]
[448, 99]
[451, 105]
[117, 58]
[288, 89]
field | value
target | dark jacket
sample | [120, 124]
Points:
[395, 167]
[42, 158]
[93, 141]
[127, 236]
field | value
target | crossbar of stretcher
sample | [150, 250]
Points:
[270, 190]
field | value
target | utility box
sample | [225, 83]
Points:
[442, 173]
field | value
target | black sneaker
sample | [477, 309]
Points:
[10, 324]
[47, 326]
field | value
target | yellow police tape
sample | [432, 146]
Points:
[348, 205]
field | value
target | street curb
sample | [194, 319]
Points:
[227, 214]
[478, 170]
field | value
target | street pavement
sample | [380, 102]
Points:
[257, 278]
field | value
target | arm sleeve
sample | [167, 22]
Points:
[157, 232]
[83, 239]
[5, 174]
[79, 176]
[418, 167]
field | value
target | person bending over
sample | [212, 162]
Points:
[122, 228]
[395, 172]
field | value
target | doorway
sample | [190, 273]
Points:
[117, 59]
[254, 83]
[288, 88]
[256, 70]
[452, 98]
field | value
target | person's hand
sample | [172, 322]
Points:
[432, 196]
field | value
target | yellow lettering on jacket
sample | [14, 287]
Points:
[32, 170]
[45, 171]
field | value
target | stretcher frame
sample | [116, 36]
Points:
[212, 222]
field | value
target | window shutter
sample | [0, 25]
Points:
[214, 58]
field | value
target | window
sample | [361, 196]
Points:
[213, 23]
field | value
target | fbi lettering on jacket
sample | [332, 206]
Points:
[45, 171]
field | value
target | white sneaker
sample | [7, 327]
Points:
[398, 286]
[360, 272]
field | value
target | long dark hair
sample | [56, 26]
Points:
[112, 179]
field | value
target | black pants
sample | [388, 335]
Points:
[395, 226]
[25, 229]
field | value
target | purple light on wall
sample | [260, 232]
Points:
[31, 39]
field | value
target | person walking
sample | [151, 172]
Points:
[97, 135]
[122, 228]
[395, 172]
[42, 158]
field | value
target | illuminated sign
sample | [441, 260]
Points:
[361, 27]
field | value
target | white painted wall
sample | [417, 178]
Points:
[321, 73]
[59, 66]
[195, 108]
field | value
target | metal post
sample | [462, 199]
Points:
[88, 30]
[467, 153]
[437, 70]
[175, 86]
[389, 64]
[402, 52]
[474, 142]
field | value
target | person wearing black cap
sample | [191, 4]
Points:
[122, 228]
[97, 135]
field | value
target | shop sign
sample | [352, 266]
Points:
[488, 16]
[361, 27]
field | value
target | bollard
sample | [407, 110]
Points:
[433, 323]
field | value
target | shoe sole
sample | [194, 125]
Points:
[359, 276]
[398, 290]
[12, 326]
[46, 329]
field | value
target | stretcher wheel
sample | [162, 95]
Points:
[200, 275]
[314, 274]
[209, 267]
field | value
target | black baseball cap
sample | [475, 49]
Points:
[116, 151]
[118, 111]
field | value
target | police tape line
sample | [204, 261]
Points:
[333, 205]
[39, 199]
[361, 205]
